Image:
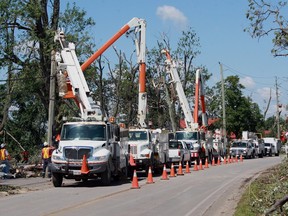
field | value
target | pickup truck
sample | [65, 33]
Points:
[178, 152]
[242, 147]
[269, 149]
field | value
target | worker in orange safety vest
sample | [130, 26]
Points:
[46, 158]
[4, 158]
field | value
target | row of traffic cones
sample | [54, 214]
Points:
[180, 172]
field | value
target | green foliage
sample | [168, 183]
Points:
[241, 113]
[269, 18]
[262, 193]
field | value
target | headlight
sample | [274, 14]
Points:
[57, 157]
[101, 158]
[144, 147]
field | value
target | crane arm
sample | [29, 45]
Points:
[171, 69]
[139, 26]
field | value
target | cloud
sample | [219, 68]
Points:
[170, 13]
[265, 93]
[248, 82]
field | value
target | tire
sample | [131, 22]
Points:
[57, 179]
[106, 176]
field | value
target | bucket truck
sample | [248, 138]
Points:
[90, 147]
[147, 147]
[193, 134]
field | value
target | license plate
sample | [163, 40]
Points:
[76, 172]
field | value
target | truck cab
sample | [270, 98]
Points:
[102, 145]
[149, 147]
[179, 152]
[241, 147]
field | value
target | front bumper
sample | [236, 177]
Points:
[74, 169]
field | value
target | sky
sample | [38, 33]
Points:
[219, 24]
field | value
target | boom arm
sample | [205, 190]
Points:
[140, 43]
[191, 123]
[172, 71]
[68, 63]
[199, 89]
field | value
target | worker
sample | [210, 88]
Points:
[46, 158]
[25, 155]
[4, 158]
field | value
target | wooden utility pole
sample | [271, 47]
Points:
[223, 106]
[51, 99]
[277, 109]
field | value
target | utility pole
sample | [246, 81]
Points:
[51, 98]
[277, 110]
[223, 105]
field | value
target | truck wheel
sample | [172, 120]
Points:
[106, 176]
[57, 179]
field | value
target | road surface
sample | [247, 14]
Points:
[212, 191]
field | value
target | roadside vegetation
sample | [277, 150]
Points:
[263, 196]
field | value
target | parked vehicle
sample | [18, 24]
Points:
[242, 147]
[276, 144]
[178, 152]
[149, 148]
[269, 149]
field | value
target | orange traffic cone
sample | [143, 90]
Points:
[236, 159]
[149, 178]
[200, 165]
[219, 161]
[180, 171]
[187, 170]
[195, 166]
[213, 162]
[164, 174]
[131, 160]
[172, 171]
[84, 167]
[241, 158]
[206, 163]
[224, 161]
[135, 184]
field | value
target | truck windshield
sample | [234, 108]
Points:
[83, 132]
[137, 135]
[175, 145]
[239, 144]
[186, 135]
[267, 144]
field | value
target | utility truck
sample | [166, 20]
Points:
[274, 147]
[201, 142]
[90, 146]
[147, 147]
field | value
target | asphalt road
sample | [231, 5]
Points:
[212, 191]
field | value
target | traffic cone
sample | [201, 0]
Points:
[164, 174]
[135, 184]
[84, 167]
[187, 170]
[219, 161]
[149, 178]
[200, 165]
[180, 171]
[213, 162]
[206, 163]
[172, 171]
[131, 160]
[195, 166]
[224, 161]
[236, 159]
[241, 158]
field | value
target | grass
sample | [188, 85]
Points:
[263, 192]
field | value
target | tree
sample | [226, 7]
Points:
[269, 18]
[242, 114]
[27, 29]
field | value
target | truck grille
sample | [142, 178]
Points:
[133, 149]
[77, 153]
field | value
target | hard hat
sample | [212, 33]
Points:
[3, 145]
[45, 144]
